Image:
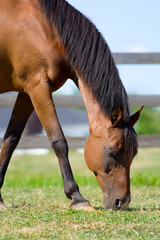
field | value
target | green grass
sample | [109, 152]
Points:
[38, 208]
[145, 169]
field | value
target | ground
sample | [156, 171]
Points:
[38, 208]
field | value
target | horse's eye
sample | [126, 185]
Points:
[112, 153]
[110, 168]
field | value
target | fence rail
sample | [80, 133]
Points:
[28, 142]
[137, 58]
[7, 101]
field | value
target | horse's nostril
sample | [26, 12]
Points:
[118, 204]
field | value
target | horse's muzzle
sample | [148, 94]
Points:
[118, 204]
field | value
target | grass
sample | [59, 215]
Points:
[38, 208]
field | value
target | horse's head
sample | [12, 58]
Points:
[109, 152]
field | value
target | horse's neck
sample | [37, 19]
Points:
[97, 121]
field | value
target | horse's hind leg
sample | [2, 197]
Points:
[21, 112]
[41, 97]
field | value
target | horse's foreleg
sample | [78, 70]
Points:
[41, 97]
[21, 112]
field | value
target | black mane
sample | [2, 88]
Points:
[89, 54]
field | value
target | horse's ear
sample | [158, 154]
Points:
[116, 114]
[134, 118]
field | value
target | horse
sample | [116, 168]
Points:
[42, 44]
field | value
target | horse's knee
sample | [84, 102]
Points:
[71, 188]
[10, 143]
[60, 147]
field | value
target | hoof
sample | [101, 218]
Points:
[2, 206]
[82, 205]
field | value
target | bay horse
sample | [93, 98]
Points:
[42, 44]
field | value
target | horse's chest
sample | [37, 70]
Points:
[58, 73]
